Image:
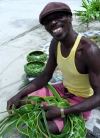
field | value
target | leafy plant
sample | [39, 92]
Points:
[31, 122]
[91, 11]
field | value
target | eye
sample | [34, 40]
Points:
[45, 22]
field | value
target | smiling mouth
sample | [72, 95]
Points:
[57, 30]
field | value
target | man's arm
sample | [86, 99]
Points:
[39, 81]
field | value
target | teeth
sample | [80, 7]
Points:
[56, 30]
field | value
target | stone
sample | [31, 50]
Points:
[96, 132]
[98, 121]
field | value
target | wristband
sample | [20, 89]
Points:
[62, 113]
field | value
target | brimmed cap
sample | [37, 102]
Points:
[53, 7]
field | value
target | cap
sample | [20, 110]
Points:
[53, 7]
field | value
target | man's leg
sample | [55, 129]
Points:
[53, 128]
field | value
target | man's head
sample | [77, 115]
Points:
[54, 7]
[56, 17]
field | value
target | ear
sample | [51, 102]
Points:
[70, 19]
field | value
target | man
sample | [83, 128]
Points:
[77, 57]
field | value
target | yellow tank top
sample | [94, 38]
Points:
[76, 83]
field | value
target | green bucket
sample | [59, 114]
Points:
[37, 56]
[33, 69]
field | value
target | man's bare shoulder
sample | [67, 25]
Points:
[91, 54]
[53, 46]
[54, 43]
[88, 46]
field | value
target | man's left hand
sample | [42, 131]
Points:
[52, 112]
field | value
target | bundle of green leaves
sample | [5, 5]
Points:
[31, 122]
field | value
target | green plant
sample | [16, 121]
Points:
[30, 119]
[33, 69]
[39, 56]
[91, 11]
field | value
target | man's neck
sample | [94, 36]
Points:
[69, 40]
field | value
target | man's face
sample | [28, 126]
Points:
[58, 25]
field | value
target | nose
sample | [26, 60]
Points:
[53, 22]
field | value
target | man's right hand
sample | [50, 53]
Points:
[14, 101]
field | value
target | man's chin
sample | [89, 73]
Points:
[59, 38]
